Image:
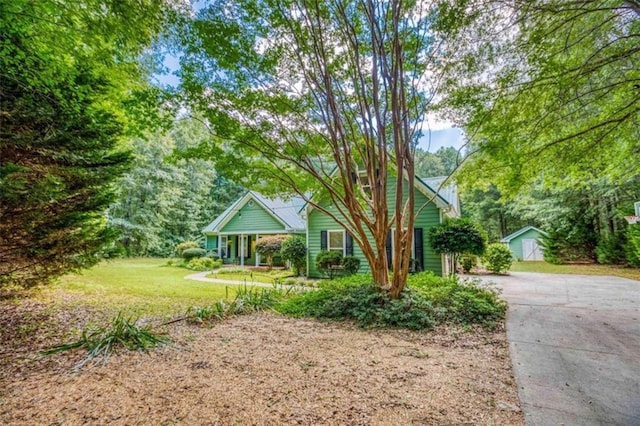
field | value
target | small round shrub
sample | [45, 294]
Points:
[498, 258]
[193, 253]
[180, 248]
[212, 254]
[350, 265]
[468, 261]
[328, 262]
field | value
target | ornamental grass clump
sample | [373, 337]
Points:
[101, 342]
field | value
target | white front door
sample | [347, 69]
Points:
[531, 250]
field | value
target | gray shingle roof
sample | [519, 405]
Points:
[449, 191]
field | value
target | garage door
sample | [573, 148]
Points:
[531, 250]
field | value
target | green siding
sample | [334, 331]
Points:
[211, 242]
[428, 217]
[251, 219]
[516, 244]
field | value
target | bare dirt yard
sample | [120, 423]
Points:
[260, 369]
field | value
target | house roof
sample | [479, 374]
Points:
[520, 232]
[285, 211]
[448, 191]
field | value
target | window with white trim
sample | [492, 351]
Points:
[336, 241]
[224, 246]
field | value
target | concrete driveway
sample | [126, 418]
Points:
[575, 347]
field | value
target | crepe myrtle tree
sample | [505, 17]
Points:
[322, 98]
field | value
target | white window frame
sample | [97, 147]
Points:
[224, 246]
[344, 241]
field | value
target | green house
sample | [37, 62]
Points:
[525, 244]
[323, 233]
[234, 233]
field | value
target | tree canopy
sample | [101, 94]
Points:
[548, 90]
[311, 94]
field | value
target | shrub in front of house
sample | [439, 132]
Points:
[350, 265]
[498, 258]
[468, 261]
[294, 250]
[329, 263]
[186, 245]
[192, 253]
[203, 264]
[427, 300]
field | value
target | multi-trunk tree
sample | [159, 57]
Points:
[323, 97]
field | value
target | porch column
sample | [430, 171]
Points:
[241, 249]
[257, 255]
[219, 237]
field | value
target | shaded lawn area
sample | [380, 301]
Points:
[249, 276]
[145, 287]
[577, 269]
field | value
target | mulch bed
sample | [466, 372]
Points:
[260, 369]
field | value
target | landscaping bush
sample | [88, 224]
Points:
[193, 253]
[294, 250]
[457, 236]
[186, 245]
[355, 298]
[427, 300]
[269, 247]
[462, 301]
[498, 258]
[468, 261]
[203, 264]
[350, 265]
[328, 262]
[212, 254]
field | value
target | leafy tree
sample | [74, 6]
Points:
[441, 163]
[455, 237]
[269, 247]
[498, 258]
[547, 87]
[294, 250]
[313, 95]
[65, 105]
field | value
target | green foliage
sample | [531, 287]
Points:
[350, 264]
[468, 301]
[247, 300]
[498, 258]
[632, 247]
[468, 261]
[180, 248]
[192, 253]
[168, 197]
[328, 262]
[101, 342]
[611, 249]
[203, 264]
[294, 250]
[355, 298]
[269, 247]
[70, 80]
[457, 236]
[428, 300]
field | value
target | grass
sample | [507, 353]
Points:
[577, 269]
[275, 276]
[137, 286]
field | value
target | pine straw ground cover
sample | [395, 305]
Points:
[258, 369]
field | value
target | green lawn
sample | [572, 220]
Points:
[137, 286]
[591, 269]
[250, 276]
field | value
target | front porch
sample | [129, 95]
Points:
[239, 249]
